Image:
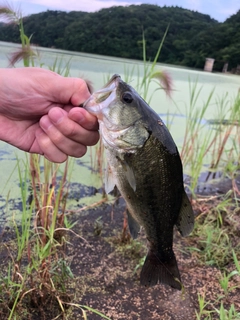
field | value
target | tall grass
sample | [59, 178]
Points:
[210, 145]
[150, 73]
[39, 271]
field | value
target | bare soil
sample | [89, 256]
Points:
[103, 261]
[106, 280]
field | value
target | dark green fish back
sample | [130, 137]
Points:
[146, 167]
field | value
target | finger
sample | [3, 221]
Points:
[71, 129]
[84, 118]
[73, 90]
[69, 146]
[48, 148]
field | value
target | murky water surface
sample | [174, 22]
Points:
[98, 69]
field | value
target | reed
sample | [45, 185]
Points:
[210, 145]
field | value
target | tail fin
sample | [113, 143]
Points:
[154, 270]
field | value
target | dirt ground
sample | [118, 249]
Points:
[105, 278]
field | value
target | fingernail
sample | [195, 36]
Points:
[45, 123]
[56, 115]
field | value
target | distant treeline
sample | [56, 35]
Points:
[117, 31]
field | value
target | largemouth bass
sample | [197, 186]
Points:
[145, 165]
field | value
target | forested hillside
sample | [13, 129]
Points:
[117, 31]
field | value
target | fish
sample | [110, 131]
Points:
[145, 166]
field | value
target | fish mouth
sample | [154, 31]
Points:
[103, 97]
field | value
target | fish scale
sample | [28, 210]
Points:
[145, 165]
[154, 199]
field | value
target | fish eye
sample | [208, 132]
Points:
[127, 97]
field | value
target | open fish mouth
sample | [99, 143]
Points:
[103, 97]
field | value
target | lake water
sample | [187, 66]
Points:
[97, 69]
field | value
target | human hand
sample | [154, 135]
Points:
[37, 113]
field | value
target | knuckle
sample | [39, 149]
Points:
[72, 131]
[57, 138]
[44, 141]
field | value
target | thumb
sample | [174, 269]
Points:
[72, 90]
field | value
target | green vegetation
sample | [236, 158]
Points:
[117, 31]
[38, 252]
[39, 272]
[215, 313]
[215, 146]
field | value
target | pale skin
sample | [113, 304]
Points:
[39, 113]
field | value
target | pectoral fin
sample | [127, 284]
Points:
[109, 180]
[185, 221]
[129, 174]
[130, 177]
[133, 225]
